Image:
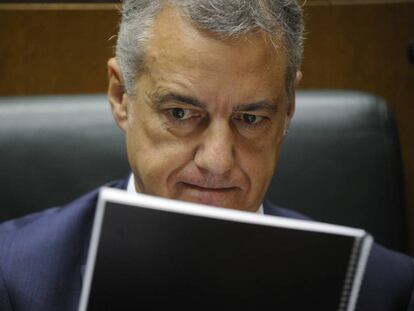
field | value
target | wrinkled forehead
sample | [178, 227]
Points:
[175, 41]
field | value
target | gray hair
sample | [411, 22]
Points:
[226, 18]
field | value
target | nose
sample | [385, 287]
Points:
[215, 153]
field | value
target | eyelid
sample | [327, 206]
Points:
[192, 114]
[187, 109]
[259, 123]
[258, 115]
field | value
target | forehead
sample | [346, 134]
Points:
[177, 47]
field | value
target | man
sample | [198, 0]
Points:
[204, 91]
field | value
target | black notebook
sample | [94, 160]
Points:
[152, 253]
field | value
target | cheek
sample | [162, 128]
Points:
[260, 164]
[258, 158]
[154, 154]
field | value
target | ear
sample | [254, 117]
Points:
[298, 78]
[117, 97]
[292, 104]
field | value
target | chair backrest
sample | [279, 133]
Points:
[55, 148]
[340, 162]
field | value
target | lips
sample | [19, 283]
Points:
[209, 189]
[221, 195]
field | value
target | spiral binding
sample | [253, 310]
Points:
[350, 276]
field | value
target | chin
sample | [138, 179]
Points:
[213, 201]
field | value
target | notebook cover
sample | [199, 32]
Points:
[169, 255]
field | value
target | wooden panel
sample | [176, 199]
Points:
[47, 51]
[51, 49]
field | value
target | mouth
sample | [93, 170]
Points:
[212, 195]
[209, 189]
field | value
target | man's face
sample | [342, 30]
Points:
[208, 116]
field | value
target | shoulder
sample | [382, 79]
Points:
[270, 209]
[5, 303]
[59, 214]
[388, 283]
[48, 225]
[37, 251]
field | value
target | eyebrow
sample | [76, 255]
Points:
[159, 99]
[270, 106]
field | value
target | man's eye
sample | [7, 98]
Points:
[251, 118]
[180, 113]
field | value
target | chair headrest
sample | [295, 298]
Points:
[341, 163]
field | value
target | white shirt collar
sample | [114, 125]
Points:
[131, 185]
[131, 189]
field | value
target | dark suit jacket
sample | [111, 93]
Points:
[42, 257]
